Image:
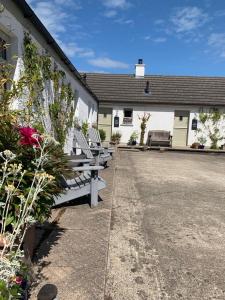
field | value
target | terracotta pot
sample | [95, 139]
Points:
[195, 146]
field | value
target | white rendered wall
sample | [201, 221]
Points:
[13, 24]
[162, 118]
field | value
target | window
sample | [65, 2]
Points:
[3, 52]
[128, 113]
[128, 116]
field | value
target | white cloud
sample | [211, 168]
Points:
[73, 3]
[113, 6]
[110, 13]
[52, 16]
[155, 40]
[57, 20]
[216, 41]
[72, 50]
[107, 63]
[124, 21]
[116, 3]
[159, 40]
[187, 19]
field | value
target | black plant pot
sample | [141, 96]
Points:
[134, 143]
[201, 147]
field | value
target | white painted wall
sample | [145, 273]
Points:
[162, 118]
[12, 25]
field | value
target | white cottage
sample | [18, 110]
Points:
[16, 17]
[174, 102]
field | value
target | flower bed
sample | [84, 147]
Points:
[28, 183]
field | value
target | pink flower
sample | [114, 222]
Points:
[29, 136]
[18, 280]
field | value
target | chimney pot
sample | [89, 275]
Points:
[140, 69]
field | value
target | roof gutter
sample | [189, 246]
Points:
[29, 14]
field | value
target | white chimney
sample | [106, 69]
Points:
[140, 69]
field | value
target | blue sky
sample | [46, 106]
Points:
[175, 37]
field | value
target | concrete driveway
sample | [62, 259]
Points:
[167, 236]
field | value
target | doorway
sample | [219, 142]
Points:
[105, 122]
[180, 129]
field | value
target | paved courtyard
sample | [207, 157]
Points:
[168, 227]
[159, 233]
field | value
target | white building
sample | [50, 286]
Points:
[174, 102]
[16, 17]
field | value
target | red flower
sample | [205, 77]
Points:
[19, 280]
[29, 136]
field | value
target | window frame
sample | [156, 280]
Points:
[128, 120]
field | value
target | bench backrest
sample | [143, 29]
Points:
[82, 142]
[94, 136]
[159, 135]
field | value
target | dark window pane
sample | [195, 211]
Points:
[128, 113]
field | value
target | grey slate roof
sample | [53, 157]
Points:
[181, 90]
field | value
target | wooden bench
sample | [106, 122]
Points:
[95, 153]
[159, 138]
[95, 139]
[86, 182]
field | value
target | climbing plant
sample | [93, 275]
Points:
[9, 89]
[45, 80]
[212, 127]
[62, 109]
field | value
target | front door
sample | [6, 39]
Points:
[180, 129]
[105, 121]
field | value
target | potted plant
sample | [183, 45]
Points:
[202, 140]
[115, 138]
[133, 138]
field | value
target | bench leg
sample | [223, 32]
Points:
[94, 188]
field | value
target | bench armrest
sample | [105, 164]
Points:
[88, 160]
[92, 149]
[88, 168]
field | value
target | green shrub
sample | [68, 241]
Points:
[102, 134]
[84, 128]
[210, 127]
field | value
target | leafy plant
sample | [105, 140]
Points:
[102, 134]
[211, 124]
[84, 127]
[39, 77]
[202, 140]
[116, 137]
[144, 119]
[134, 136]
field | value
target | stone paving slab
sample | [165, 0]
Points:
[73, 256]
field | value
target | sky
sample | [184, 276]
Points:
[173, 37]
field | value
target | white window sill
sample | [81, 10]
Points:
[131, 125]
